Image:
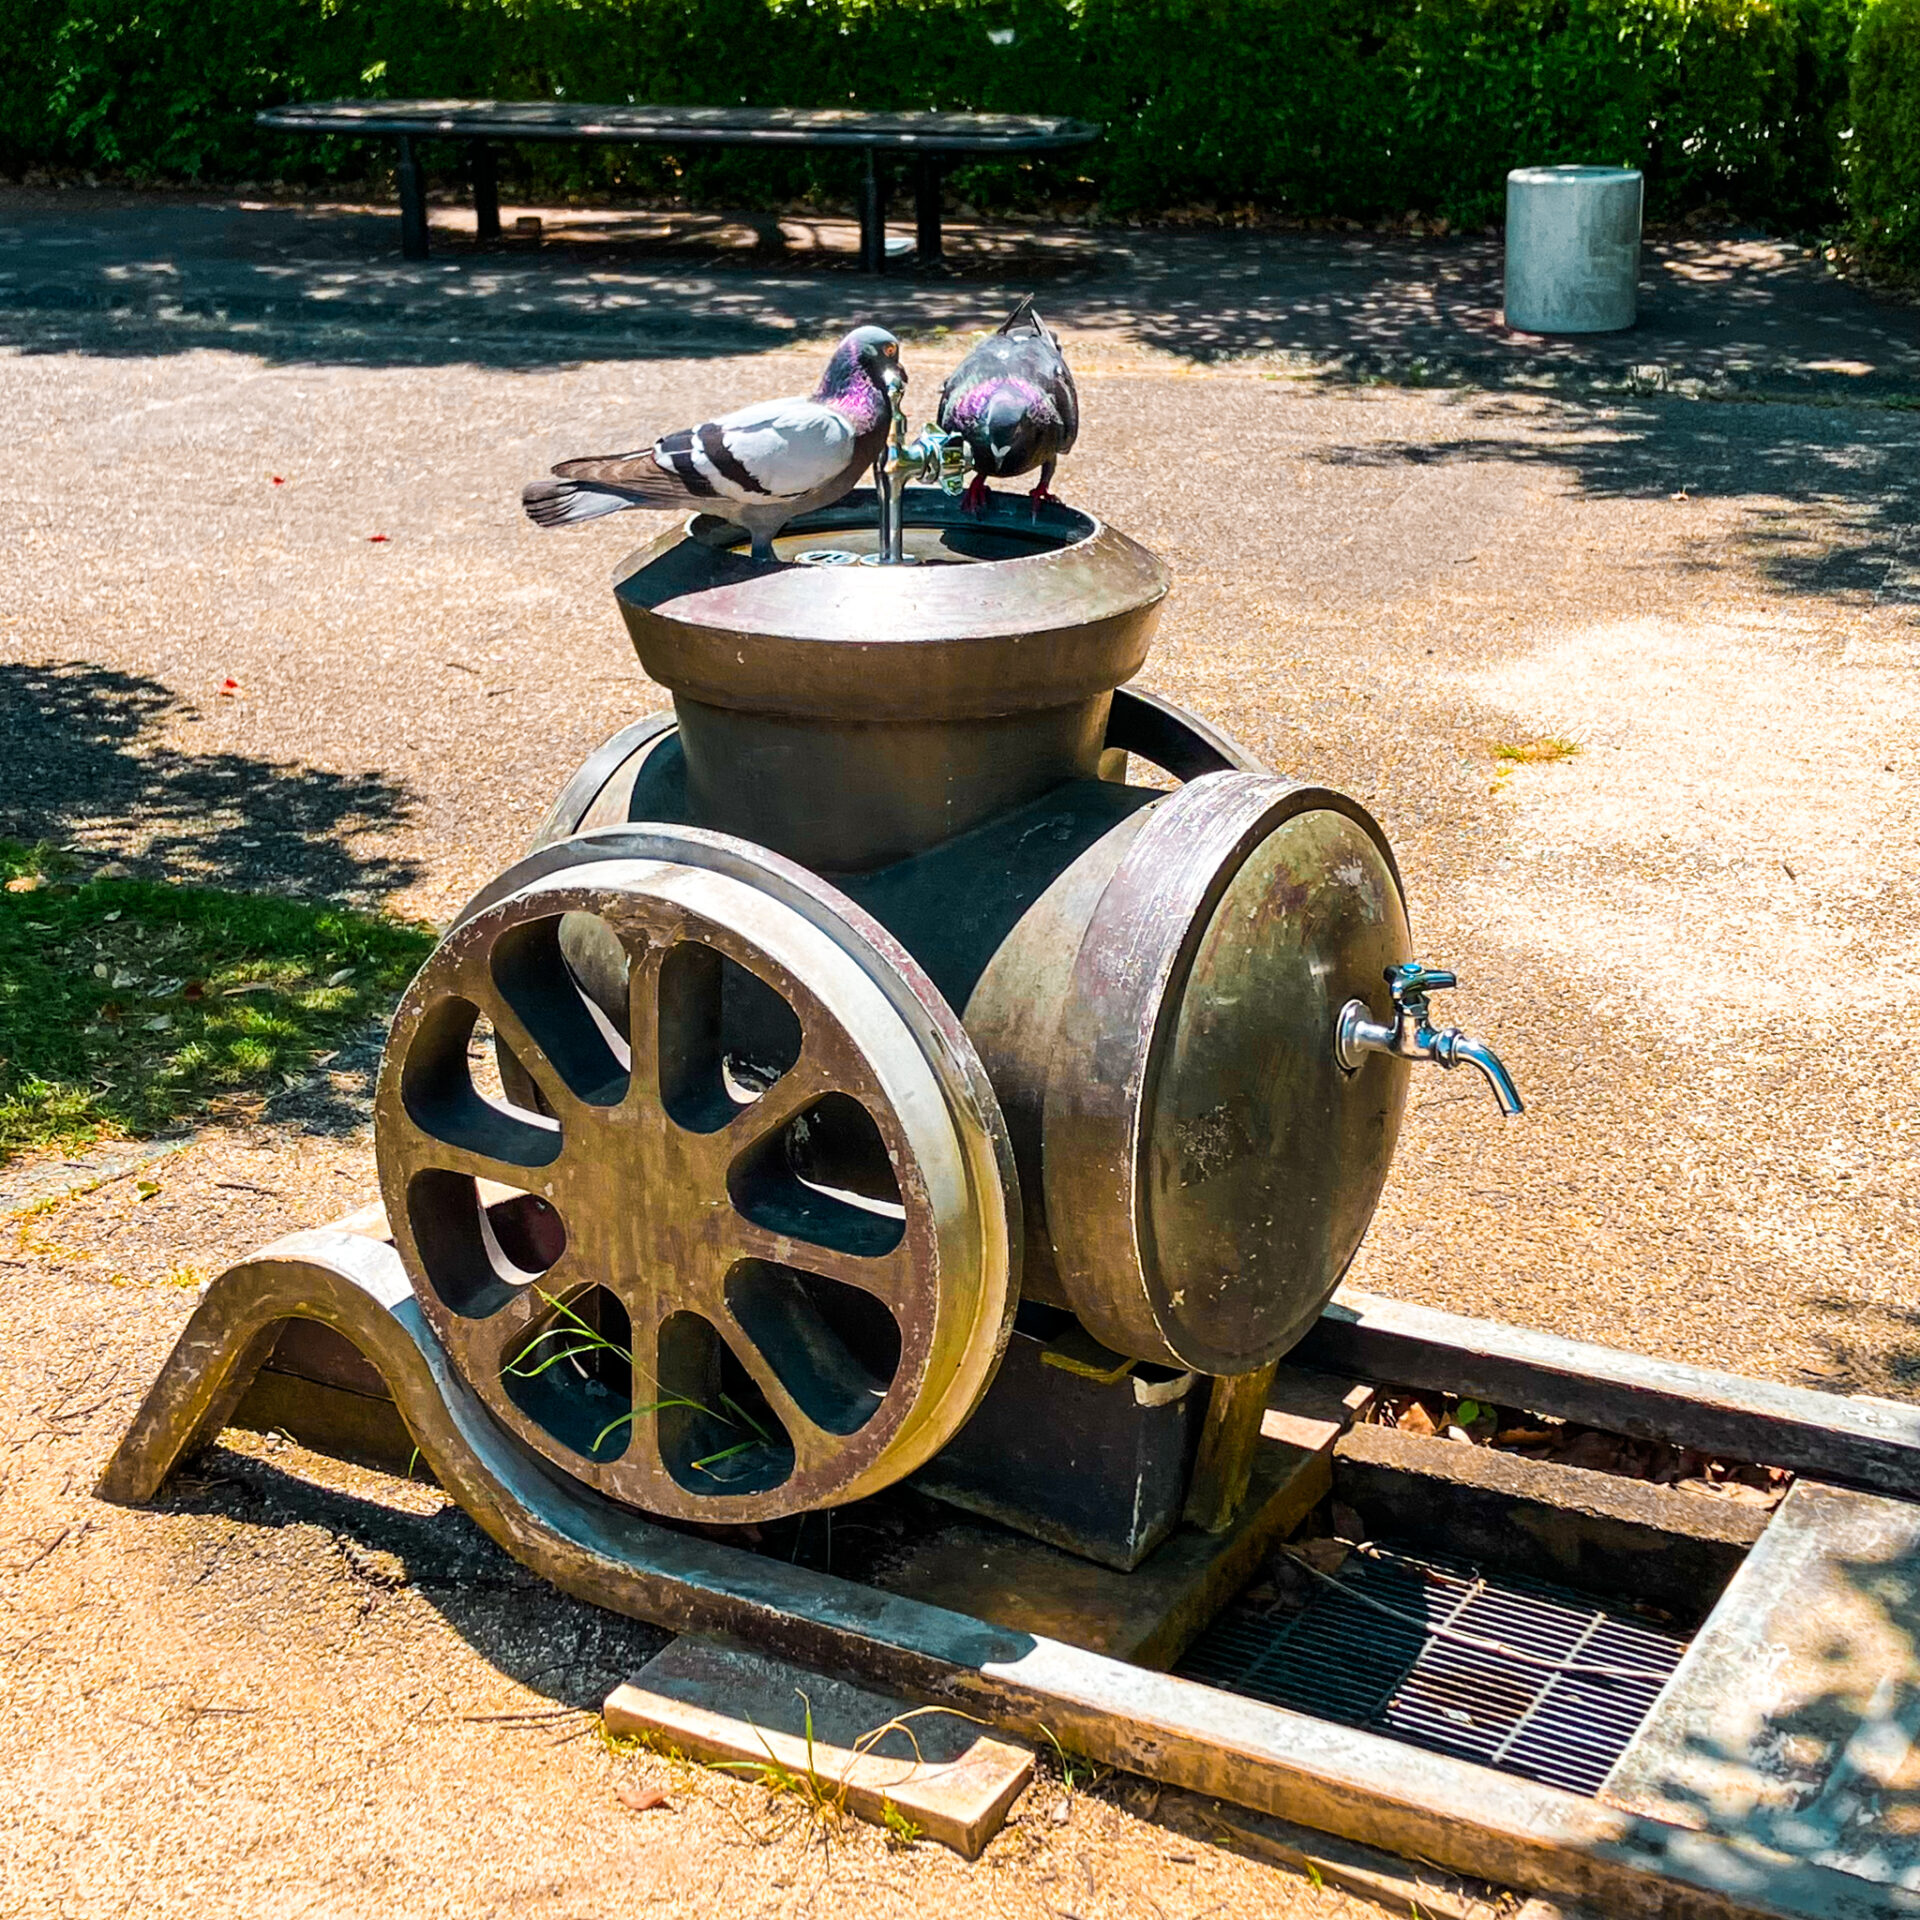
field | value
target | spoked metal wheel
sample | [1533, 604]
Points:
[743, 1245]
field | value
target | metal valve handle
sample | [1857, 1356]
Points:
[1413, 981]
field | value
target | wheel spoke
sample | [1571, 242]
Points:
[813, 1446]
[500, 1340]
[499, 1166]
[802, 1083]
[890, 1277]
[643, 1026]
[534, 1059]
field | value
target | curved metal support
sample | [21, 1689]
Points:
[584, 1544]
[1169, 1729]
[592, 775]
[1171, 738]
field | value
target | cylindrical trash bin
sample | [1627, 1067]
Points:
[1573, 248]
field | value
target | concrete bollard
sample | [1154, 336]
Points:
[1573, 249]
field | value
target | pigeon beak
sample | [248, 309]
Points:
[893, 381]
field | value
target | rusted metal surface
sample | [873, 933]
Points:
[628, 777]
[847, 799]
[1153, 1017]
[771, 1266]
[1148, 1614]
[1356, 1785]
[1229, 1439]
[1794, 1718]
[1865, 1443]
[1076, 1446]
[621, 753]
[1208, 1167]
[1014, 992]
[1167, 736]
[1066, 610]
[755, 1247]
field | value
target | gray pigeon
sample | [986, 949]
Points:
[1012, 401]
[760, 466]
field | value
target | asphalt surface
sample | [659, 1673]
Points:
[133, 274]
[250, 448]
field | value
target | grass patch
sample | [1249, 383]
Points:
[1534, 753]
[127, 1006]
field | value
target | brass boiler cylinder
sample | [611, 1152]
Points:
[1152, 978]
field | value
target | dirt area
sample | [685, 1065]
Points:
[299, 1690]
[302, 1689]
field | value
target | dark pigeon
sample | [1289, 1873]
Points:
[758, 467]
[1013, 402]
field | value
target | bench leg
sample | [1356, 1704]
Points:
[486, 190]
[873, 216]
[928, 176]
[413, 204]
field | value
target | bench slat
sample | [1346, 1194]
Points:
[684, 126]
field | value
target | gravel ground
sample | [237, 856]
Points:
[1684, 939]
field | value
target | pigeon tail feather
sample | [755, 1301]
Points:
[638, 478]
[563, 503]
[1022, 315]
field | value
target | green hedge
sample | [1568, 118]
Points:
[1358, 108]
[1883, 152]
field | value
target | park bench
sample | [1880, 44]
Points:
[931, 141]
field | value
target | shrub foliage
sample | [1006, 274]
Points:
[1359, 108]
[1883, 152]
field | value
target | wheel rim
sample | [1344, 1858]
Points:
[751, 1253]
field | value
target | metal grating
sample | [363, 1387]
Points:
[1343, 1660]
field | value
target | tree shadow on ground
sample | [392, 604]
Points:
[95, 763]
[1870, 1349]
[1811, 1757]
[137, 275]
[1834, 497]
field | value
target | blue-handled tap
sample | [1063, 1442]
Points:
[1413, 1037]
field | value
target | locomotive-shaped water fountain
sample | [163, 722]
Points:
[854, 1009]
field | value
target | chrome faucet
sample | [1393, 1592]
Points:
[1412, 1037]
[941, 459]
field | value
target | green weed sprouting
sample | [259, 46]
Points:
[587, 1339]
[1535, 753]
[824, 1798]
[1074, 1767]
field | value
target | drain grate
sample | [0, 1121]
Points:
[1343, 1660]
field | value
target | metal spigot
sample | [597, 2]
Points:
[1412, 1037]
[932, 457]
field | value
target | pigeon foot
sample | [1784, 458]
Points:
[975, 499]
[1043, 495]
